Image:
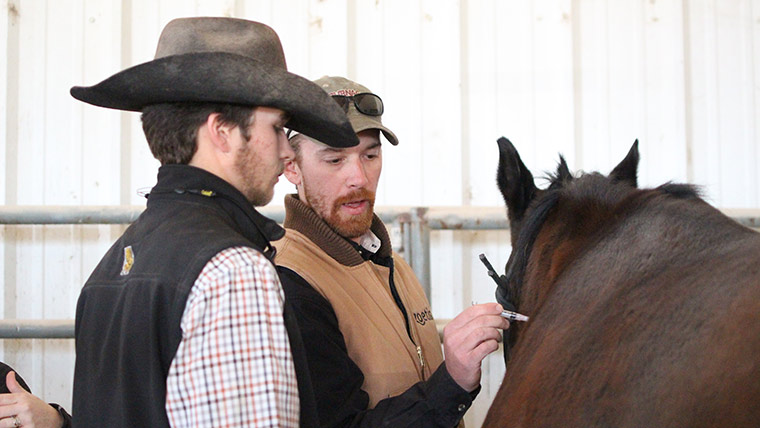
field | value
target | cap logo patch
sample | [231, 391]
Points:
[129, 260]
[344, 92]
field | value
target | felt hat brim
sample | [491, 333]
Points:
[226, 78]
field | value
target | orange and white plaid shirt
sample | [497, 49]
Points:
[233, 367]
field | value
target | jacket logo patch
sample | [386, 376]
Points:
[129, 260]
[423, 317]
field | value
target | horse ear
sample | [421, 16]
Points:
[515, 181]
[627, 169]
[563, 172]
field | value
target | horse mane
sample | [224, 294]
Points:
[680, 191]
[518, 259]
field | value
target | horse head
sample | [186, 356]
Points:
[530, 208]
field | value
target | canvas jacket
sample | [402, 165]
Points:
[371, 342]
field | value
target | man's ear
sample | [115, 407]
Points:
[292, 172]
[219, 132]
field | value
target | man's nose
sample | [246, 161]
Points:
[357, 173]
[286, 152]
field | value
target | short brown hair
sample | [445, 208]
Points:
[172, 129]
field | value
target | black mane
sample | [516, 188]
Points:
[518, 259]
[681, 191]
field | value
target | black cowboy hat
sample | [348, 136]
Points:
[228, 61]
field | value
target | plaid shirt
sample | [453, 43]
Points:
[233, 367]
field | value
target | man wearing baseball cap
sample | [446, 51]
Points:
[372, 346]
[181, 323]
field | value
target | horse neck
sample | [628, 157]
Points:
[555, 247]
[649, 226]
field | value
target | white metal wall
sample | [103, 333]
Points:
[581, 77]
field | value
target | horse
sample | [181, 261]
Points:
[644, 304]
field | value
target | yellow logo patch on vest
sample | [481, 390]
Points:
[129, 260]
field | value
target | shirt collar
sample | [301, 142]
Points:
[370, 242]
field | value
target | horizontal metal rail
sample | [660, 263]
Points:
[95, 214]
[416, 224]
[37, 329]
[64, 329]
[49, 215]
[436, 218]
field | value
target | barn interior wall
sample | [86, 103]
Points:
[584, 78]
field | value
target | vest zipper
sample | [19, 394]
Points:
[400, 305]
[398, 301]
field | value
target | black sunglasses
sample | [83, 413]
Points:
[366, 103]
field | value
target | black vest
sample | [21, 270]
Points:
[129, 311]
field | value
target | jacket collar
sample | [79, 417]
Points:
[185, 182]
[302, 218]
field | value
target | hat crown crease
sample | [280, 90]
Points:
[235, 36]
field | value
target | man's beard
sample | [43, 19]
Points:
[249, 166]
[346, 226]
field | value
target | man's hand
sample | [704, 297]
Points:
[468, 338]
[25, 408]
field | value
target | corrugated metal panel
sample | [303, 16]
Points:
[581, 77]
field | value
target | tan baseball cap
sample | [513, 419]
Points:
[371, 104]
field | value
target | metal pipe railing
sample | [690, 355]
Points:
[47, 215]
[415, 222]
[125, 214]
[64, 329]
[37, 329]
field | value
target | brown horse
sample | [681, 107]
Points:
[644, 305]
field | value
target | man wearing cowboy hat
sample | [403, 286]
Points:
[372, 346]
[181, 323]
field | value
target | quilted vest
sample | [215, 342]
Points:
[391, 357]
[129, 311]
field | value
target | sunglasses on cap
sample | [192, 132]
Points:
[366, 103]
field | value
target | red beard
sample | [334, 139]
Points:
[356, 225]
